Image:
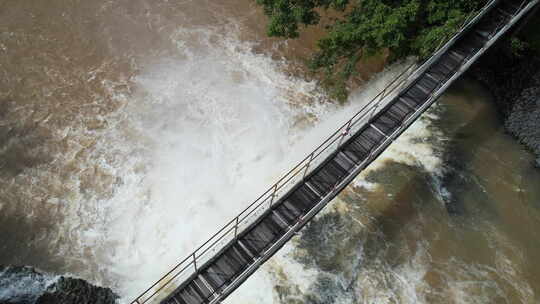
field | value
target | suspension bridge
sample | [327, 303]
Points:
[220, 265]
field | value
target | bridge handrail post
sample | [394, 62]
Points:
[273, 195]
[376, 106]
[345, 132]
[195, 260]
[390, 88]
[236, 227]
[308, 164]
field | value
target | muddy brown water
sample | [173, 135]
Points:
[464, 233]
[67, 72]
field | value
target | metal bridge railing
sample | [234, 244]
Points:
[189, 265]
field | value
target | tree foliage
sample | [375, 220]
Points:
[366, 27]
[287, 15]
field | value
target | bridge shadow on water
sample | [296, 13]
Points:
[469, 133]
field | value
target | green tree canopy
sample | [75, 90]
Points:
[366, 27]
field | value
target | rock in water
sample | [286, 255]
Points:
[25, 285]
[515, 84]
[22, 285]
[524, 119]
[76, 291]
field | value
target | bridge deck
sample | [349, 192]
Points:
[222, 273]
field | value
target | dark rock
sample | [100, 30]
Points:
[524, 119]
[22, 285]
[76, 291]
[25, 285]
[514, 82]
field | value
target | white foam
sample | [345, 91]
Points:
[209, 132]
[409, 149]
[204, 133]
[219, 135]
[24, 285]
[218, 127]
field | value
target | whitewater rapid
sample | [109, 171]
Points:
[162, 147]
[217, 128]
[132, 129]
[202, 135]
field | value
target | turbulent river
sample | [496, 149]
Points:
[131, 130]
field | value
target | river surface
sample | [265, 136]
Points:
[447, 215]
[131, 130]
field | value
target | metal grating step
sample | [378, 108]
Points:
[263, 235]
[227, 267]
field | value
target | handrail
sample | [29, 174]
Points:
[302, 168]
